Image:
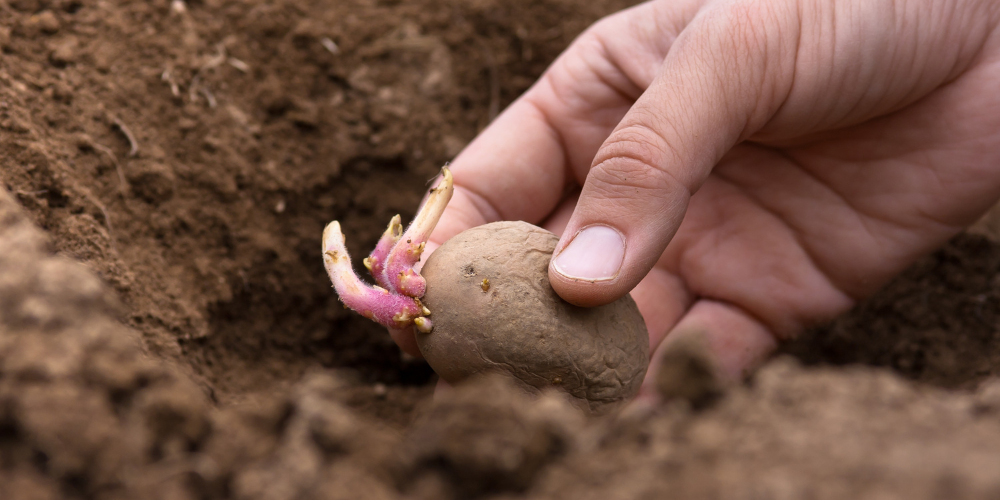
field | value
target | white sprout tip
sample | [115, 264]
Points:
[332, 231]
[424, 325]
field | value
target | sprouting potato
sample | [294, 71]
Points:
[483, 303]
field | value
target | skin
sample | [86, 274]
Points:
[795, 155]
[598, 355]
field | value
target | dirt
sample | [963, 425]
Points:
[167, 331]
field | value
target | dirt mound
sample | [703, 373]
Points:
[166, 330]
[795, 433]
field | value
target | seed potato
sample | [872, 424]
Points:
[494, 310]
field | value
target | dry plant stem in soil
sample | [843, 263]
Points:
[395, 301]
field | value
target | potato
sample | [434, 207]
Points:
[494, 310]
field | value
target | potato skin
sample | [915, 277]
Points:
[515, 322]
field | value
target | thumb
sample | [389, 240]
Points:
[715, 87]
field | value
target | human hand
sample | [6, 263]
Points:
[794, 154]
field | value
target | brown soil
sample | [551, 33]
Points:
[166, 330]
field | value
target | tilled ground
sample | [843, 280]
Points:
[166, 330]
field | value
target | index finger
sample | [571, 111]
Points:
[513, 170]
[520, 166]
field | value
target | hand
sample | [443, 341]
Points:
[795, 155]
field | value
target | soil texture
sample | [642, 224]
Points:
[167, 331]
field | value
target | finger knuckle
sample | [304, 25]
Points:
[638, 157]
[744, 29]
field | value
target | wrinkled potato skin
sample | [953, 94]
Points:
[517, 324]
